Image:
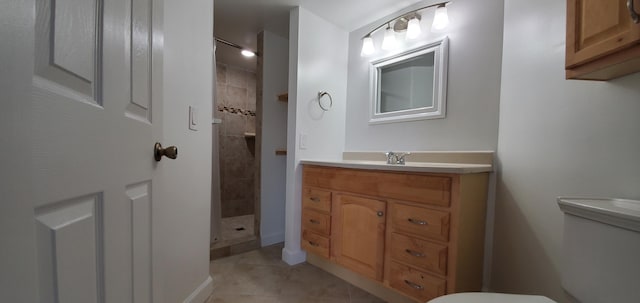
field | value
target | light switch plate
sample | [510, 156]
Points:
[303, 141]
[193, 118]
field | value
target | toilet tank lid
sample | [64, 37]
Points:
[485, 297]
[619, 212]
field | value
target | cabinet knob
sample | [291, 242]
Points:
[380, 214]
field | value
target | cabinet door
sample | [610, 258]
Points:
[596, 28]
[358, 226]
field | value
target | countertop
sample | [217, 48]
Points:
[426, 167]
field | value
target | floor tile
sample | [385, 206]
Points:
[261, 276]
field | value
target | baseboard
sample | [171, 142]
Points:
[271, 239]
[293, 257]
[202, 293]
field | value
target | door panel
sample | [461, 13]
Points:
[93, 133]
[69, 239]
[68, 45]
[358, 234]
[140, 105]
[140, 201]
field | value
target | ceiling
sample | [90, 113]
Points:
[240, 21]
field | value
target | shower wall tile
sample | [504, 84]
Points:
[235, 103]
[221, 93]
[221, 73]
[236, 97]
[250, 124]
[237, 77]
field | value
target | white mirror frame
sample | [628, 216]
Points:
[440, 49]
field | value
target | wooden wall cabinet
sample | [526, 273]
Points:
[603, 39]
[419, 234]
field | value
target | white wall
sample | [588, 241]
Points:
[318, 62]
[557, 137]
[475, 47]
[188, 80]
[275, 56]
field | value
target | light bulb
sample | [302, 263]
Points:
[367, 46]
[413, 28]
[441, 19]
[389, 41]
[247, 53]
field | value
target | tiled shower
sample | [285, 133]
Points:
[236, 105]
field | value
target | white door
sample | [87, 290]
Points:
[82, 199]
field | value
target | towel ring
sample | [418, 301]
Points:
[322, 94]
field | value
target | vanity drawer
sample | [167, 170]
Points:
[414, 187]
[316, 199]
[415, 283]
[317, 222]
[420, 221]
[419, 253]
[314, 243]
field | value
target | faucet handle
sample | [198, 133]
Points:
[400, 158]
[391, 157]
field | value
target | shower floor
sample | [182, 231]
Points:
[235, 230]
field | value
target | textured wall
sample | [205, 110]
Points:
[236, 106]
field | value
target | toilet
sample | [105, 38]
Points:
[601, 255]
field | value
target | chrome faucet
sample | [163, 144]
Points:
[396, 158]
[391, 157]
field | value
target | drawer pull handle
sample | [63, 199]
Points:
[634, 15]
[414, 285]
[315, 199]
[314, 221]
[414, 253]
[417, 222]
[314, 244]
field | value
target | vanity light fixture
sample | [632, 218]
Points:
[389, 41]
[367, 46]
[409, 22]
[413, 28]
[441, 19]
[243, 50]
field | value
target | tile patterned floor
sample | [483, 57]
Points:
[234, 230]
[260, 276]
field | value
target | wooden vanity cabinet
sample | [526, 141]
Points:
[418, 234]
[603, 40]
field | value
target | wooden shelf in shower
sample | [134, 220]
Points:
[283, 97]
[281, 152]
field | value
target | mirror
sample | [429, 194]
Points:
[411, 85]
